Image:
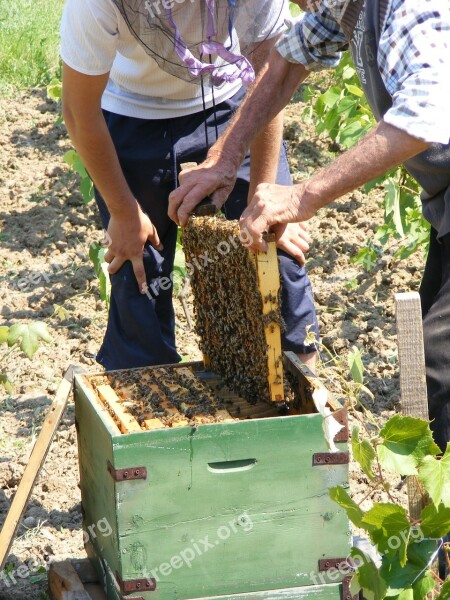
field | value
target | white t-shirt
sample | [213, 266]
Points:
[95, 39]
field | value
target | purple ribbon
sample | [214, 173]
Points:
[238, 66]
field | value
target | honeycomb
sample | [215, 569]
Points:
[228, 306]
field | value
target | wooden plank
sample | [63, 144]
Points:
[413, 387]
[64, 582]
[269, 285]
[151, 424]
[95, 591]
[34, 466]
[127, 423]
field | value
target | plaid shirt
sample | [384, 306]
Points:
[413, 57]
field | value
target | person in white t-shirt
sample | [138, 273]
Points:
[149, 85]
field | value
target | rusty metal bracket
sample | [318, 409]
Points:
[330, 458]
[135, 585]
[341, 417]
[326, 564]
[346, 592]
[127, 474]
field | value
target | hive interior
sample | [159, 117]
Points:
[172, 396]
[228, 305]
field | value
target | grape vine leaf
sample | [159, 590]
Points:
[389, 529]
[363, 452]
[406, 442]
[445, 591]
[340, 496]
[435, 476]
[356, 365]
[367, 577]
[424, 586]
[30, 335]
[4, 332]
[435, 521]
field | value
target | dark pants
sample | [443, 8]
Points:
[141, 330]
[435, 296]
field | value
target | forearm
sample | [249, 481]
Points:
[265, 154]
[93, 142]
[272, 90]
[382, 149]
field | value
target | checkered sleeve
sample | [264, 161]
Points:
[414, 60]
[314, 40]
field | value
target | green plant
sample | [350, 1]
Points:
[72, 158]
[29, 43]
[24, 337]
[403, 445]
[344, 114]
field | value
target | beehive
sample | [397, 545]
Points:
[229, 501]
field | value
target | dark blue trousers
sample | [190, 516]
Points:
[435, 297]
[141, 329]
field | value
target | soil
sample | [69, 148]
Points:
[45, 274]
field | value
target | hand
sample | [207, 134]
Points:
[293, 238]
[271, 205]
[127, 237]
[214, 178]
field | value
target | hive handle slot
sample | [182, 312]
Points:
[232, 466]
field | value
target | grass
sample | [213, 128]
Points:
[29, 42]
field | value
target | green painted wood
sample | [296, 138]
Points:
[315, 592]
[95, 443]
[202, 530]
[230, 510]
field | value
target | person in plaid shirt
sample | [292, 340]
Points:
[401, 50]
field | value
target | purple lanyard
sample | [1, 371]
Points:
[238, 66]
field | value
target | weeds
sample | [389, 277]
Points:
[29, 40]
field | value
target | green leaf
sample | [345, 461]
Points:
[398, 578]
[423, 586]
[363, 453]
[354, 513]
[435, 477]
[367, 577]
[351, 133]
[87, 189]
[392, 203]
[355, 90]
[366, 257]
[406, 442]
[4, 332]
[435, 521]
[30, 335]
[389, 529]
[6, 382]
[356, 365]
[445, 591]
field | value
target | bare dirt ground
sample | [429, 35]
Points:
[45, 231]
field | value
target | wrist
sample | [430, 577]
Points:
[124, 208]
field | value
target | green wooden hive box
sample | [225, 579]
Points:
[234, 509]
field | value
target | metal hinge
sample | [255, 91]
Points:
[330, 458]
[127, 474]
[135, 585]
[326, 564]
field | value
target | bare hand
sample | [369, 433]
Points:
[271, 205]
[127, 237]
[293, 238]
[212, 178]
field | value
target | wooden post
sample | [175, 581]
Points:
[413, 387]
[34, 466]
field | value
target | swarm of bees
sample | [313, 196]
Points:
[228, 305]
